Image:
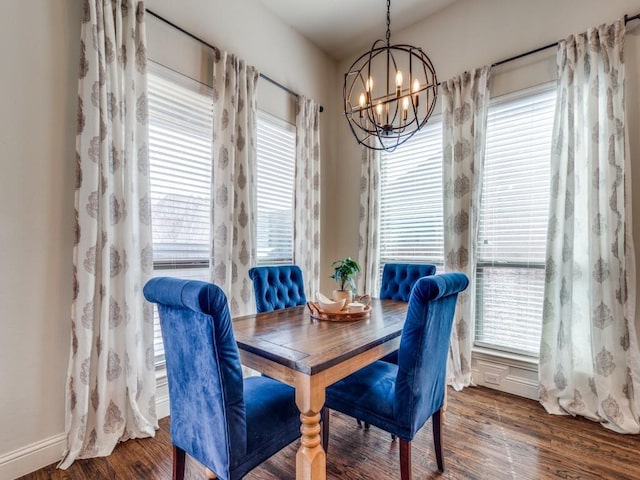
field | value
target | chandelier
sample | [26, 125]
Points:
[389, 107]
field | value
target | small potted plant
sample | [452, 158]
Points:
[343, 272]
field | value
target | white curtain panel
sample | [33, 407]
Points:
[368, 235]
[307, 195]
[589, 359]
[465, 106]
[111, 376]
[233, 216]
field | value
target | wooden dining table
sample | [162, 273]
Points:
[310, 354]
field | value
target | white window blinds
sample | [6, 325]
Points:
[180, 130]
[276, 154]
[513, 221]
[411, 225]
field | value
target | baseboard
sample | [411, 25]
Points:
[32, 457]
[505, 374]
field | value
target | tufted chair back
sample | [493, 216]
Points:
[401, 398]
[277, 287]
[227, 423]
[424, 347]
[203, 370]
[398, 279]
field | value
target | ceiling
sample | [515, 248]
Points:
[342, 27]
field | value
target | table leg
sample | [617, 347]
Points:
[311, 461]
[443, 410]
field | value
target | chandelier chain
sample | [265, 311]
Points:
[388, 22]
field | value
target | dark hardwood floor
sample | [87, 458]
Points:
[487, 435]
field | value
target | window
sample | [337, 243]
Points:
[276, 155]
[180, 126]
[180, 153]
[513, 222]
[411, 225]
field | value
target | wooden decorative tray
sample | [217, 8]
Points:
[342, 316]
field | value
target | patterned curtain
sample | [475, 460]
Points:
[368, 255]
[589, 358]
[111, 376]
[234, 150]
[307, 195]
[466, 100]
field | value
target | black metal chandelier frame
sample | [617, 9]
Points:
[394, 116]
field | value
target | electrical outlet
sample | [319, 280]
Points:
[492, 378]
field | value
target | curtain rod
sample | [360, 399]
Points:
[627, 19]
[207, 44]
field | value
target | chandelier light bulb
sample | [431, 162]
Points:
[405, 108]
[399, 79]
[416, 89]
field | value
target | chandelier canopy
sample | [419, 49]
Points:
[389, 93]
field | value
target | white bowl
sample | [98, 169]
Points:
[355, 307]
[330, 306]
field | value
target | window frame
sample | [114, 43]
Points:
[184, 267]
[483, 264]
[428, 148]
[288, 136]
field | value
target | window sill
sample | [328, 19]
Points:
[506, 358]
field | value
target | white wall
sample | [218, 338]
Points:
[39, 51]
[469, 34]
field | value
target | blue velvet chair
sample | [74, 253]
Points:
[397, 281]
[228, 424]
[277, 287]
[401, 398]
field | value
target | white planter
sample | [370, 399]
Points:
[340, 294]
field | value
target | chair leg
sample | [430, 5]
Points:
[436, 419]
[405, 459]
[179, 458]
[325, 428]
[366, 425]
[358, 422]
